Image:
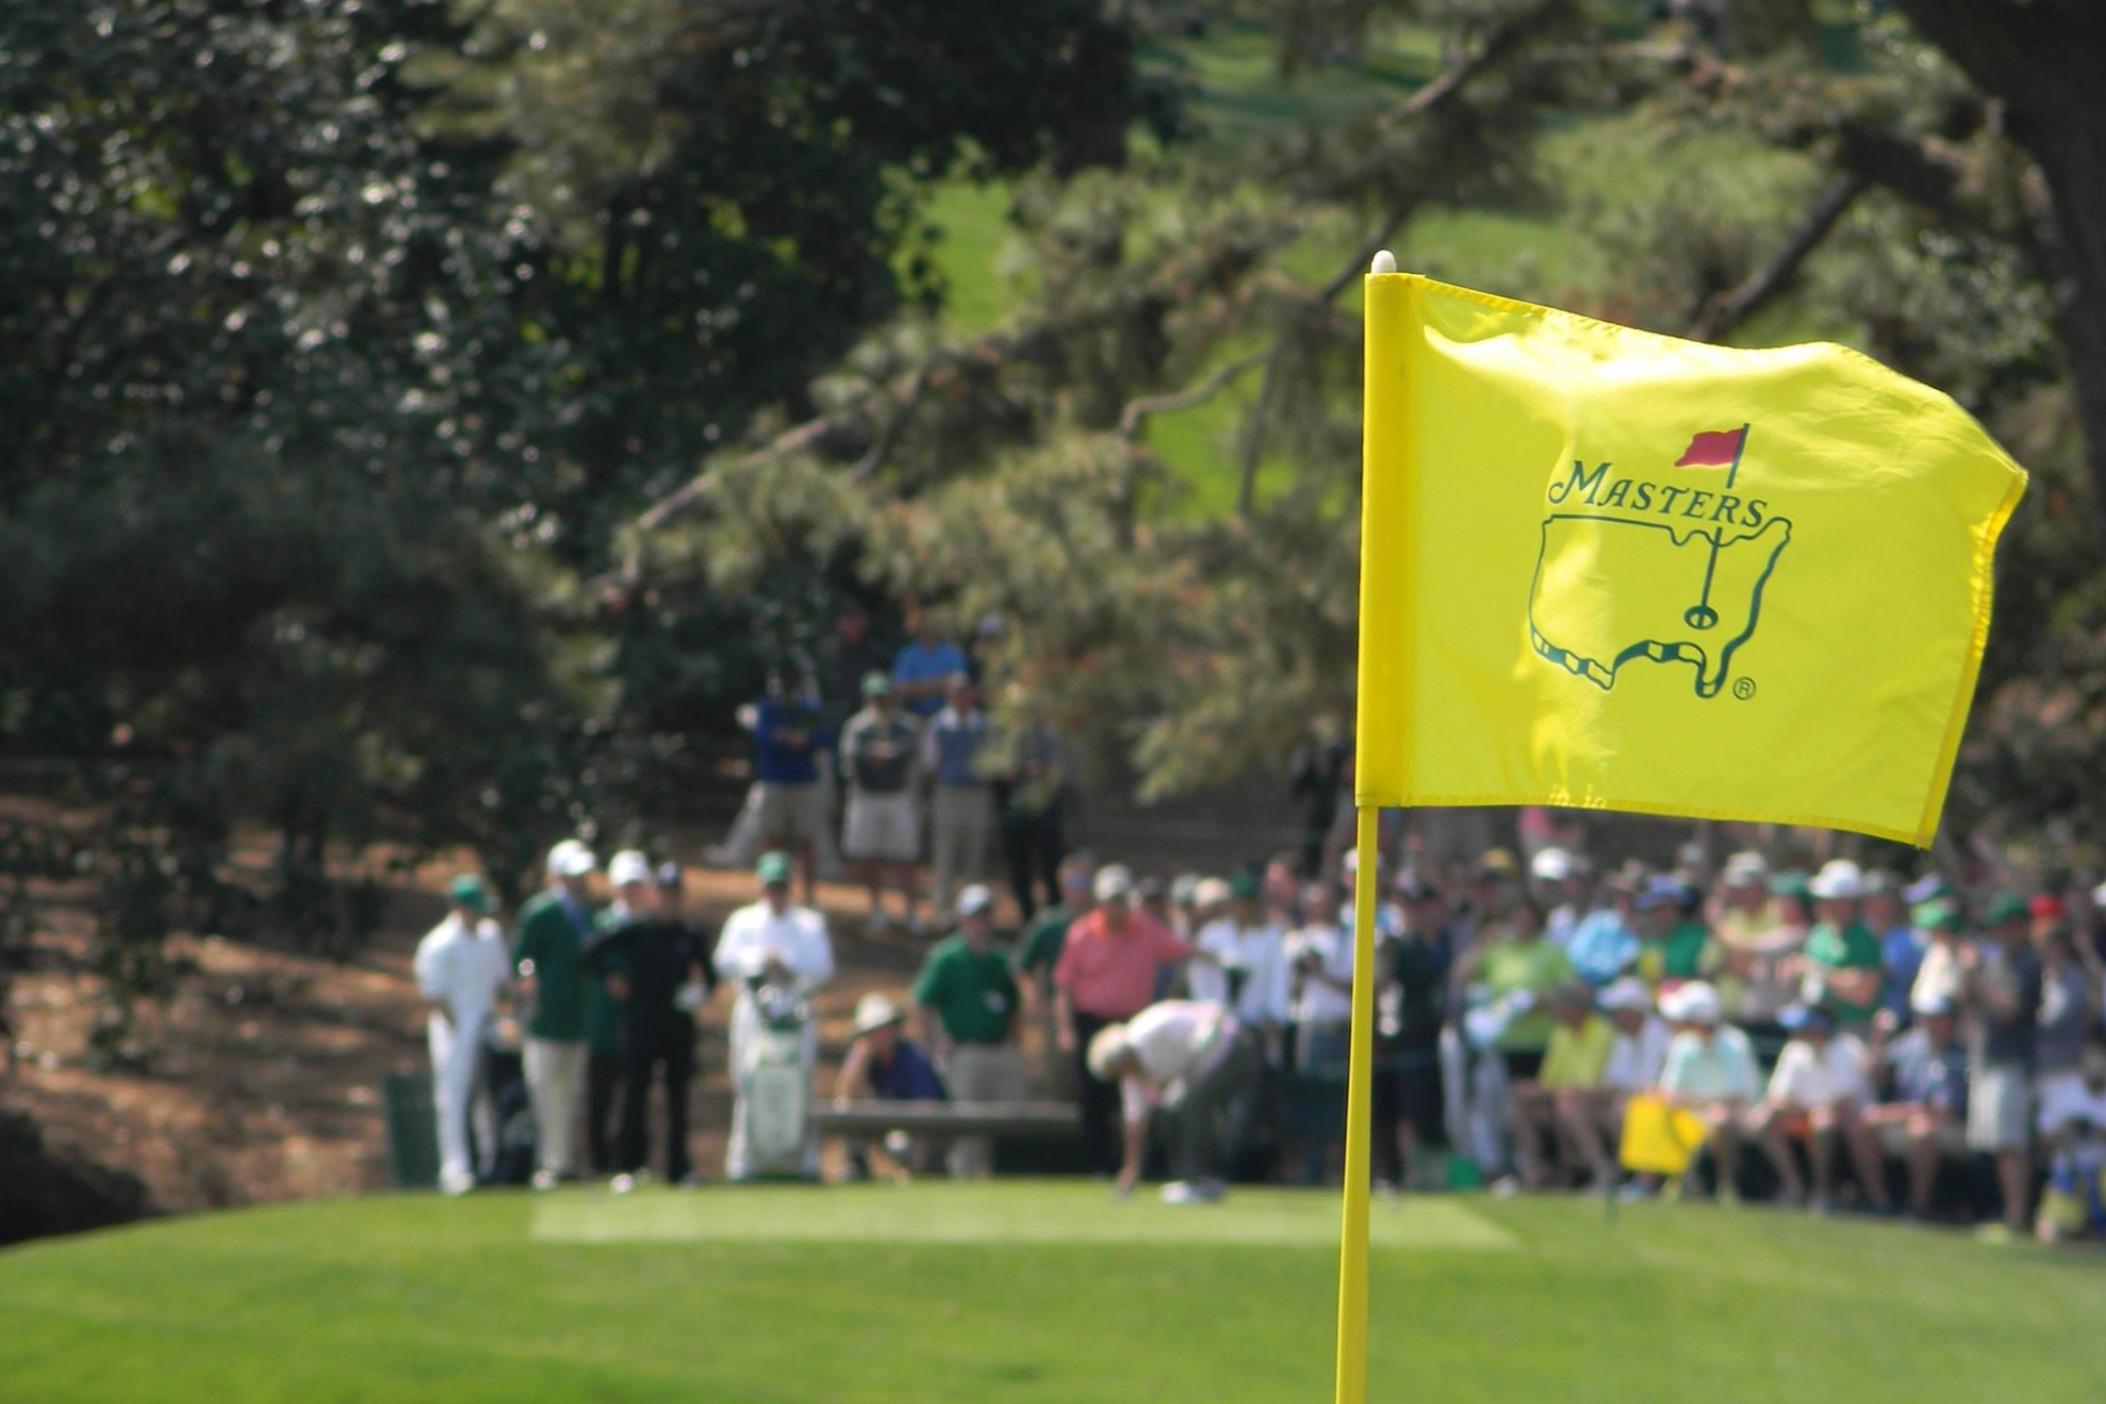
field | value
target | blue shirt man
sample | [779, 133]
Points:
[1603, 946]
[786, 738]
[924, 668]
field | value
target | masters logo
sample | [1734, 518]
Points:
[1666, 572]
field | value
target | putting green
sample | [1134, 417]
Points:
[1031, 1293]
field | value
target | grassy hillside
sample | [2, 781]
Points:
[1029, 1292]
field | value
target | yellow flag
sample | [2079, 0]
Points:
[1659, 1139]
[1608, 569]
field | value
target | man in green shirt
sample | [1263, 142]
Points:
[548, 956]
[968, 1003]
[1843, 957]
[1676, 945]
[1036, 956]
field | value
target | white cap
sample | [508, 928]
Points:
[1747, 867]
[1839, 880]
[1693, 1003]
[975, 901]
[1210, 892]
[1551, 865]
[2098, 896]
[1114, 881]
[1929, 1003]
[628, 866]
[1630, 992]
[874, 1011]
[571, 859]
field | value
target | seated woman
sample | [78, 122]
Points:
[1817, 1095]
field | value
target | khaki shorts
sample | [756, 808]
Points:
[791, 813]
[883, 827]
[1999, 1109]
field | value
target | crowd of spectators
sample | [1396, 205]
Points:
[1841, 1037]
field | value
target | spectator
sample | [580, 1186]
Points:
[2068, 1014]
[547, 953]
[1605, 944]
[629, 874]
[1710, 1072]
[462, 969]
[1636, 1061]
[657, 967]
[922, 671]
[1818, 1094]
[1504, 1037]
[1844, 967]
[1754, 950]
[1191, 1059]
[1563, 889]
[1247, 969]
[1316, 776]
[1901, 946]
[883, 1064]
[1676, 946]
[880, 830]
[1942, 972]
[1561, 1101]
[1410, 1007]
[2000, 987]
[1924, 1114]
[2073, 1203]
[968, 1002]
[770, 940]
[1037, 955]
[1105, 975]
[1320, 973]
[1033, 802]
[962, 812]
[789, 737]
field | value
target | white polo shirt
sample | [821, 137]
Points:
[1811, 1077]
[1260, 952]
[1172, 1039]
[796, 936]
[464, 968]
[1318, 1002]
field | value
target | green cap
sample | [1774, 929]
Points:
[1935, 915]
[876, 684]
[2008, 906]
[774, 868]
[1791, 885]
[1243, 885]
[468, 891]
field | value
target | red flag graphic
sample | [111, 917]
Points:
[1717, 449]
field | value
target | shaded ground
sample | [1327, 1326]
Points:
[265, 1072]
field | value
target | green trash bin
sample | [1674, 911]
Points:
[413, 1134]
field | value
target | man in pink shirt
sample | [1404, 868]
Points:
[1106, 975]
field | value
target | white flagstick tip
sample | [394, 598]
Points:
[1385, 262]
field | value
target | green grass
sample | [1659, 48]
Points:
[1030, 1292]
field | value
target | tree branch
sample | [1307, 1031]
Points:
[1137, 411]
[1729, 309]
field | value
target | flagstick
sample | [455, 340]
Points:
[1353, 1232]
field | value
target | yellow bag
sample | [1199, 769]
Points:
[1659, 1139]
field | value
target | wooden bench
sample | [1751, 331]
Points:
[1022, 1120]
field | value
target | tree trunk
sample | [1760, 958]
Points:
[2043, 61]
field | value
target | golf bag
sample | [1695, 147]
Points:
[772, 1053]
[510, 1160]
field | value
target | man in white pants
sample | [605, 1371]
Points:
[462, 967]
[778, 942]
[548, 953]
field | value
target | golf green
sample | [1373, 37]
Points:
[1031, 1291]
